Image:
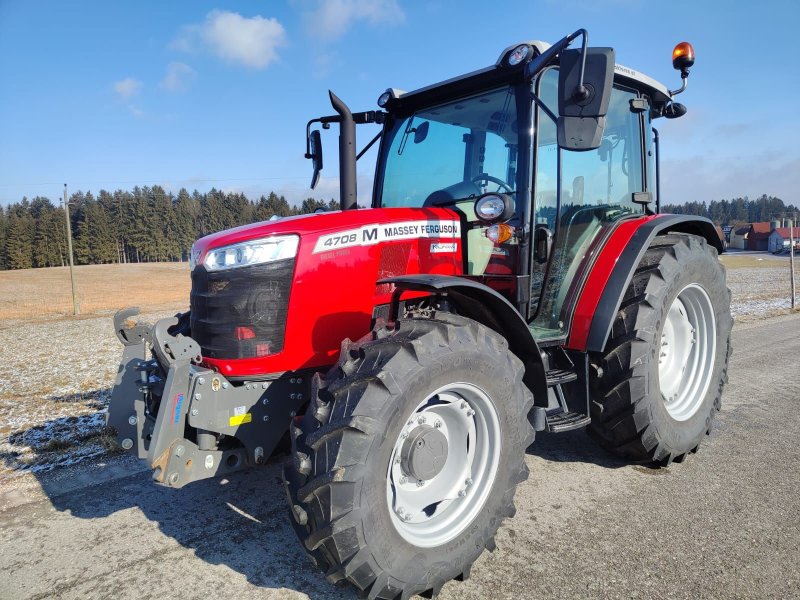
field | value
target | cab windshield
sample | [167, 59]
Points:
[452, 151]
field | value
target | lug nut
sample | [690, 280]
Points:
[470, 413]
[420, 483]
[201, 381]
[462, 493]
[266, 418]
[403, 479]
[197, 396]
[195, 412]
[468, 481]
[421, 419]
[437, 424]
[463, 405]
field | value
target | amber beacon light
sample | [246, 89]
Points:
[683, 57]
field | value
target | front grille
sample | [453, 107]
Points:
[241, 313]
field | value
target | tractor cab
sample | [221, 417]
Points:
[540, 157]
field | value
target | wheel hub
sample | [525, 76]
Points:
[443, 464]
[687, 352]
[424, 453]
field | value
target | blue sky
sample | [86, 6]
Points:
[201, 94]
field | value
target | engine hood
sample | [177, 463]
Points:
[317, 224]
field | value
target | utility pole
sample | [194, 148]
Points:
[791, 259]
[76, 310]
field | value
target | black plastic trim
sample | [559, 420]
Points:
[622, 274]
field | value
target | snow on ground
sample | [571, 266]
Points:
[55, 384]
[759, 292]
[56, 376]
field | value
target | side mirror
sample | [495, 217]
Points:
[421, 132]
[584, 91]
[315, 154]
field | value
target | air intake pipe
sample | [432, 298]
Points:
[347, 154]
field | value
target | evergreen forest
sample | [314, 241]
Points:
[148, 224]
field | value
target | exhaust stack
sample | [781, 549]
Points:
[347, 154]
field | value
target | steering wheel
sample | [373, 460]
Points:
[492, 179]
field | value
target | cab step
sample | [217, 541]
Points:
[560, 377]
[566, 421]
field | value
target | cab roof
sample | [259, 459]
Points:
[658, 92]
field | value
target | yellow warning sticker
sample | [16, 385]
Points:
[237, 420]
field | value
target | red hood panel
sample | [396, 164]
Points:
[341, 256]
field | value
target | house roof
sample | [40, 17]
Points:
[784, 232]
[742, 230]
[762, 227]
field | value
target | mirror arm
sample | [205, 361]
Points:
[368, 146]
[544, 107]
[581, 93]
[541, 61]
[325, 121]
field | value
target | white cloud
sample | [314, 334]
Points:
[178, 78]
[136, 111]
[128, 87]
[331, 19]
[252, 42]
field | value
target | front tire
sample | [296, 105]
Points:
[409, 454]
[659, 382]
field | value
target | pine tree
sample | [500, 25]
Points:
[19, 241]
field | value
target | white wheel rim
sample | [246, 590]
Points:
[436, 511]
[687, 352]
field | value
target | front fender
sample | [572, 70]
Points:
[484, 305]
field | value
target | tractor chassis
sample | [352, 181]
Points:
[189, 422]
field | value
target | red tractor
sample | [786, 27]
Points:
[512, 275]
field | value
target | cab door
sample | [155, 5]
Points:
[579, 196]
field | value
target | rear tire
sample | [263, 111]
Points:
[343, 480]
[659, 382]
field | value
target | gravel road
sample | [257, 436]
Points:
[724, 524]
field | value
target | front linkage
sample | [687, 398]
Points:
[189, 422]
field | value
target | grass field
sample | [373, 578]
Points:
[38, 293]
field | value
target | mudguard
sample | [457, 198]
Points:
[613, 270]
[483, 304]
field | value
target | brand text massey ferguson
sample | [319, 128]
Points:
[373, 234]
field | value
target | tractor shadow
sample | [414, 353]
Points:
[241, 522]
[573, 447]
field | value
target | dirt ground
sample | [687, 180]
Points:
[56, 372]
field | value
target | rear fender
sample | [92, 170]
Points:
[484, 305]
[613, 270]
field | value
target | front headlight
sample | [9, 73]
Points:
[254, 252]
